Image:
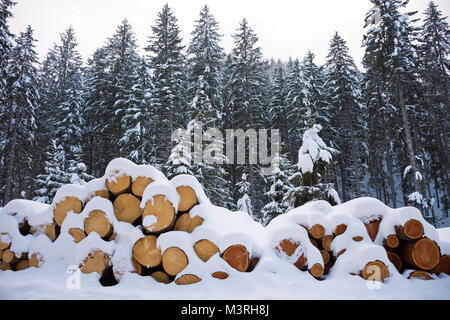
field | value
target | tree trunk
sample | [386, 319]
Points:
[410, 231]
[423, 254]
[237, 257]
[146, 253]
[353, 148]
[10, 165]
[186, 223]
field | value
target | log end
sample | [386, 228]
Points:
[188, 198]
[187, 279]
[237, 257]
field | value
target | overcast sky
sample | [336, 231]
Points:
[285, 28]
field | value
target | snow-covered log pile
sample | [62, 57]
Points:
[134, 220]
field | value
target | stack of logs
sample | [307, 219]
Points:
[125, 195]
[407, 249]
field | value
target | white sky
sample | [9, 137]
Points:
[285, 28]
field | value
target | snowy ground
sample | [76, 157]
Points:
[50, 283]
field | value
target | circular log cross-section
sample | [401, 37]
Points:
[118, 185]
[396, 260]
[443, 265]
[9, 257]
[146, 253]
[186, 223]
[127, 208]
[220, 275]
[375, 270]
[77, 234]
[412, 230]
[391, 241]
[357, 239]
[423, 254]
[205, 249]
[161, 277]
[237, 257]
[163, 211]
[326, 242]
[289, 246]
[325, 256]
[317, 231]
[5, 266]
[68, 204]
[35, 260]
[96, 261]
[340, 229]
[317, 270]
[419, 274]
[174, 260]
[188, 198]
[98, 222]
[51, 231]
[139, 185]
[187, 279]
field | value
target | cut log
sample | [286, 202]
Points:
[99, 193]
[340, 229]
[325, 256]
[443, 265]
[188, 198]
[412, 230]
[341, 252]
[186, 223]
[317, 231]
[289, 247]
[163, 212]
[220, 275]
[96, 261]
[422, 254]
[9, 257]
[22, 265]
[326, 242]
[35, 260]
[51, 231]
[419, 274]
[391, 241]
[187, 279]
[317, 270]
[139, 185]
[1, 255]
[237, 257]
[121, 184]
[146, 253]
[112, 237]
[396, 260]
[68, 204]
[174, 260]
[98, 222]
[77, 234]
[5, 266]
[205, 249]
[127, 208]
[375, 271]
[4, 245]
[372, 228]
[161, 277]
[357, 238]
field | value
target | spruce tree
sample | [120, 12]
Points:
[310, 180]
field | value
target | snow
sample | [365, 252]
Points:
[35, 213]
[167, 190]
[121, 166]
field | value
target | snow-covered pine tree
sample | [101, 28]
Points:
[6, 38]
[22, 102]
[344, 96]
[67, 111]
[280, 186]
[96, 77]
[244, 202]
[135, 143]
[310, 180]
[205, 59]
[210, 171]
[245, 101]
[434, 51]
[53, 177]
[166, 60]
